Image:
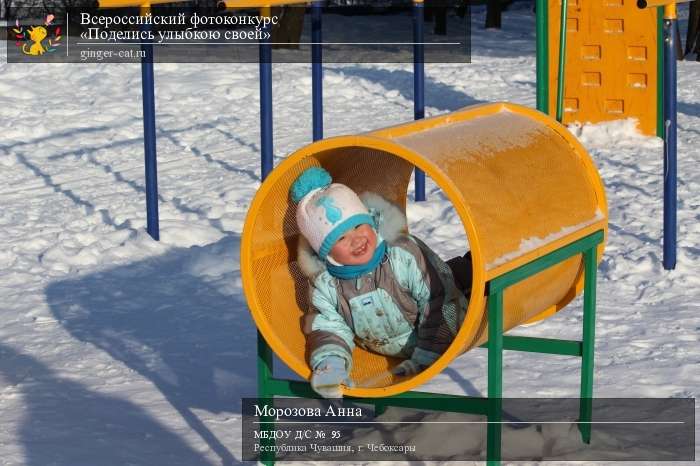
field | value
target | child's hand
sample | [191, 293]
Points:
[328, 375]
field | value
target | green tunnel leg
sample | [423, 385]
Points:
[379, 409]
[264, 375]
[495, 378]
[589, 300]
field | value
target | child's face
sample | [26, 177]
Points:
[356, 246]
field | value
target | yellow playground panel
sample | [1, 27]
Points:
[522, 185]
[611, 62]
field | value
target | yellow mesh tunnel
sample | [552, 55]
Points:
[522, 185]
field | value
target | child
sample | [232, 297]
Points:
[371, 283]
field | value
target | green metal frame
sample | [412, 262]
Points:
[491, 406]
[660, 130]
[561, 70]
[542, 64]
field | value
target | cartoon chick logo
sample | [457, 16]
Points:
[31, 40]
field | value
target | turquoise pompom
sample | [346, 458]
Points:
[310, 179]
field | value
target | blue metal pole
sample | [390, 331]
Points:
[265, 361]
[149, 140]
[265, 104]
[317, 69]
[670, 172]
[418, 84]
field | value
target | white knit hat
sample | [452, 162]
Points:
[326, 211]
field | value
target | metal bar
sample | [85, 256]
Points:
[562, 61]
[660, 73]
[265, 362]
[418, 84]
[416, 394]
[265, 106]
[265, 373]
[412, 399]
[541, 345]
[379, 408]
[284, 387]
[458, 404]
[670, 155]
[589, 299]
[317, 69]
[542, 65]
[495, 377]
[149, 139]
[554, 257]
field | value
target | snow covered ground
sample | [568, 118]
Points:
[119, 350]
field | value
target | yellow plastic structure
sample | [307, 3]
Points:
[522, 185]
[664, 3]
[611, 62]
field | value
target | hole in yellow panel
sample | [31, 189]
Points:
[591, 52]
[614, 26]
[614, 106]
[570, 104]
[572, 24]
[637, 80]
[637, 52]
[591, 79]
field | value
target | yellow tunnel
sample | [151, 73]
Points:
[521, 184]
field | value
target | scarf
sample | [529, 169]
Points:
[346, 272]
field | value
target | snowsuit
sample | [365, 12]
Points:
[409, 306]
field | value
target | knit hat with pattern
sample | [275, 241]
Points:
[326, 210]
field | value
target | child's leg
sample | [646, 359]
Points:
[462, 272]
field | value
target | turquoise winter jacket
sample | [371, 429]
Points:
[408, 307]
